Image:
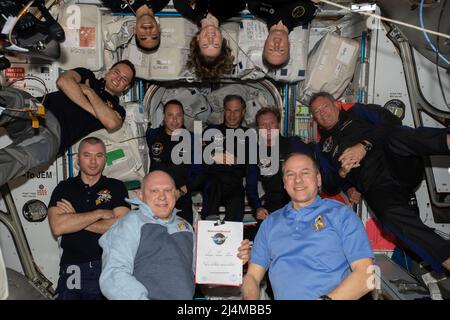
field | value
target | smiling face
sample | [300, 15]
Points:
[148, 31]
[276, 47]
[325, 112]
[158, 192]
[301, 180]
[118, 79]
[173, 117]
[210, 41]
[234, 113]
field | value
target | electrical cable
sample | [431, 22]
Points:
[387, 19]
[21, 14]
[426, 35]
[32, 78]
[437, 56]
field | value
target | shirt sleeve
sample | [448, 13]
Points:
[354, 237]
[382, 121]
[120, 193]
[120, 244]
[85, 74]
[56, 195]
[331, 180]
[260, 251]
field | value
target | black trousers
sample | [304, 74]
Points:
[389, 197]
[390, 204]
[227, 192]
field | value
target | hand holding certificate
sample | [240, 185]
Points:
[217, 247]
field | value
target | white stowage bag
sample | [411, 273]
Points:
[127, 152]
[4, 292]
[117, 31]
[194, 102]
[168, 62]
[83, 46]
[254, 97]
[295, 70]
[253, 34]
[331, 66]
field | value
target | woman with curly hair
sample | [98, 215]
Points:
[210, 56]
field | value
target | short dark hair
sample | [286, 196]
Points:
[321, 94]
[267, 110]
[130, 65]
[232, 97]
[308, 155]
[173, 101]
[91, 140]
[146, 50]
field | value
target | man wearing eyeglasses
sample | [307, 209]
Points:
[83, 104]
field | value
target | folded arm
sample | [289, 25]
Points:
[64, 219]
[101, 226]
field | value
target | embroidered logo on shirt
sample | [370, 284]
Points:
[182, 226]
[104, 196]
[298, 12]
[319, 223]
[157, 148]
[328, 144]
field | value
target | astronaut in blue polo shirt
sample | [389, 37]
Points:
[314, 248]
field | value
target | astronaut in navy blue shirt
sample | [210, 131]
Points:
[314, 248]
[187, 176]
[275, 196]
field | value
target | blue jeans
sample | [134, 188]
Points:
[80, 281]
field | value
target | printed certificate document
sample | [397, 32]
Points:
[217, 247]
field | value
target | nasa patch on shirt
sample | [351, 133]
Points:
[157, 148]
[328, 144]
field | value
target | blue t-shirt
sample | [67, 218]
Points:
[309, 251]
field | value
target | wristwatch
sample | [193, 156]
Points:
[325, 297]
[367, 145]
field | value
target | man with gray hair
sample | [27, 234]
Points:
[314, 248]
[225, 176]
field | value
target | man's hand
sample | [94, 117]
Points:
[86, 88]
[352, 155]
[65, 206]
[261, 213]
[244, 251]
[345, 169]
[353, 195]
[224, 158]
[106, 214]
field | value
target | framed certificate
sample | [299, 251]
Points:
[216, 257]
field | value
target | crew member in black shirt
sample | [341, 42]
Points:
[81, 209]
[187, 176]
[281, 16]
[224, 185]
[147, 30]
[83, 105]
[360, 151]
